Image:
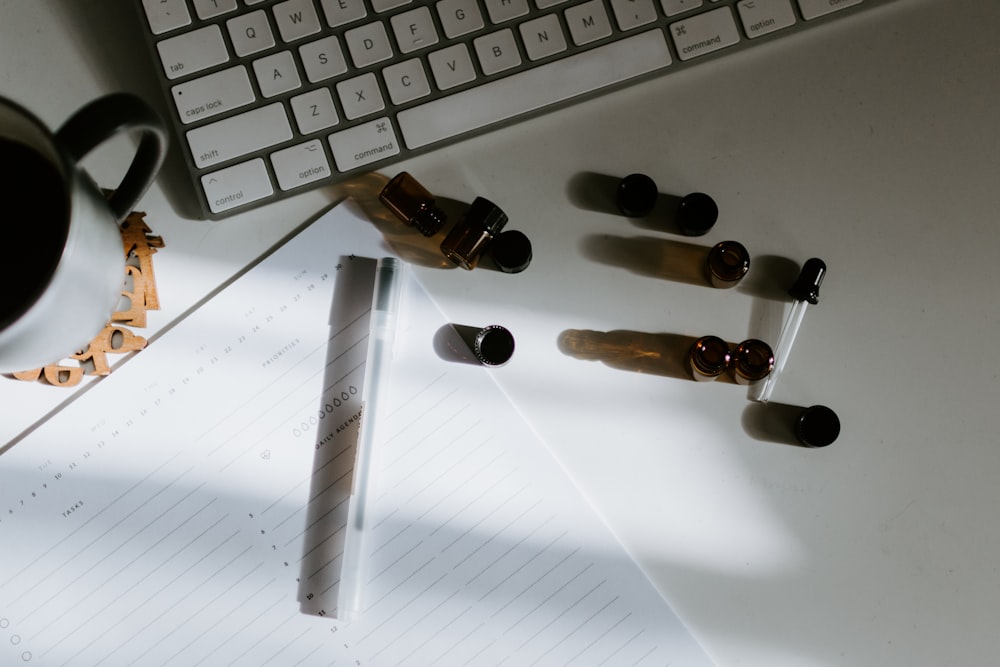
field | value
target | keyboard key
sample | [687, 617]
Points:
[414, 29]
[704, 33]
[213, 94]
[368, 44]
[761, 17]
[322, 59]
[166, 15]
[386, 5]
[532, 89]
[192, 52]
[633, 13]
[542, 37]
[451, 66]
[812, 9]
[340, 12]
[364, 144]
[238, 135]
[296, 19]
[314, 111]
[250, 33]
[588, 22]
[276, 74]
[207, 9]
[235, 186]
[406, 81]
[505, 10]
[300, 165]
[360, 96]
[674, 7]
[459, 17]
[497, 51]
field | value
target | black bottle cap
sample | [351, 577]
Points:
[696, 214]
[636, 195]
[806, 287]
[494, 345]
[511, 251]
[486, 216]
[817, 426]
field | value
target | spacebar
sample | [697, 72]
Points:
[533, 89]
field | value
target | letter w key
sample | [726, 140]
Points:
[296, 19]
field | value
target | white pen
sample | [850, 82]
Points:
[805, 291]
[382, 330]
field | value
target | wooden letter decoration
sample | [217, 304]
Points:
[139, 245]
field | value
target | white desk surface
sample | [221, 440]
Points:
[871, 144]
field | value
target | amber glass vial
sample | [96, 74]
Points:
[709, 358]
[752, 361]
[413, 204]
[466, 241]
[727, 263]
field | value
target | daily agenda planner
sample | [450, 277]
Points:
[189, 509]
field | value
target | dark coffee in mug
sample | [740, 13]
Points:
[34, 222]
[62, 263]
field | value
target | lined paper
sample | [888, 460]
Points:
[189, 509]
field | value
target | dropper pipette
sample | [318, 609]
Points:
[805, 291]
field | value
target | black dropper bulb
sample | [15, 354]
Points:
[806, 287]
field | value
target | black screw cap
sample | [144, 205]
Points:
[696, 214]
[636, 196]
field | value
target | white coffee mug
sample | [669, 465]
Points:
[62, 262]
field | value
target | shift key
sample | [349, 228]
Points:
[239, 135]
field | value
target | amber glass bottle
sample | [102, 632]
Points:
[709, 358]
[727, 263]
[473, 233]
[413, 204]
[752, 361]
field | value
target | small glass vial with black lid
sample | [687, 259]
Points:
[413, 204]
[478, 227]
[709, 358]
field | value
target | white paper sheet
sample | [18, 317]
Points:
[189, 509]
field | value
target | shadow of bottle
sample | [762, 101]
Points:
[596, 192]
[663, 354]
[809, 427]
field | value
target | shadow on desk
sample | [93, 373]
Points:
[666, 355]
[769, 276]
[663, 354]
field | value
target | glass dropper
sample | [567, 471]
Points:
[805, 291]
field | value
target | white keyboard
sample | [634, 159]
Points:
[270, 97]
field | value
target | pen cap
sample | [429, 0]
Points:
[385, 297]
[806, 287]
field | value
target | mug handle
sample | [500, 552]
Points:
[102, 119]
